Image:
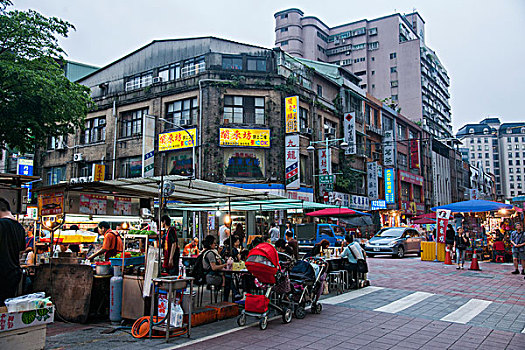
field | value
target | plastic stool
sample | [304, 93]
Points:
[335, 282]
[345, 279]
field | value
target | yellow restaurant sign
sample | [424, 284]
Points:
[259, 138]
[292, 111]
[175, 140]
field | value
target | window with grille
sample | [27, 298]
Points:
[243, 110]
[131, 122]
[183, 112]
[95, 131]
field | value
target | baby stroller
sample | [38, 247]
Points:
[308, 278]
[263, 264]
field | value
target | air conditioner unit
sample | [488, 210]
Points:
[307, 131]
[331, 131]
[157, 80]
[59, 142]
[78, 157]
[83, 179]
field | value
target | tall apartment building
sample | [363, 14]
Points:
[388, 53]
[498, 149]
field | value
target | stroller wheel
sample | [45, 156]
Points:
[241, 320]
[316, 308]
[287, 315]
[263, 323]
[300, 312]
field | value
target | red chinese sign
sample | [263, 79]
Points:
[442, 216]
[414, 154]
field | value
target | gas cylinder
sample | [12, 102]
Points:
[115, 295]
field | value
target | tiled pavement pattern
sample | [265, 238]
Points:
[354, 324]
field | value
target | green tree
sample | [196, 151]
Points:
[36, 99]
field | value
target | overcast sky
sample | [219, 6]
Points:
[480, 42]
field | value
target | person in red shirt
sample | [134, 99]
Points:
[112, 242]
[171, 247]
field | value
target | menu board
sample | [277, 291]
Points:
[93, 204]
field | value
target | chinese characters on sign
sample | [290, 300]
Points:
[325, 161]
[405, 176]
[245, 164]
[442, 216]
[359, 202]
[148, 146]
[175, 140]
[99, 172]
[371, 170]
[292, 157]
[259, 138]
[378, 204]
[349, 129]
[414, 154]
[389, 148]
[292, 110]
[51, 204]
[93, 204]
[390, 187]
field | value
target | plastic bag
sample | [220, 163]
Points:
[176, 315]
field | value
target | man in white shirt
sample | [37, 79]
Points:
[274, 233]
[224, 233]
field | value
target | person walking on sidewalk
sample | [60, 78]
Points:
[450, 235]
[517, 240]
[461, 243]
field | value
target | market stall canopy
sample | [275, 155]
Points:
[358, 221]
[251, 205]
[183, 189]
[424, 221]
[337, 211]
[474, 206]
[14, 180]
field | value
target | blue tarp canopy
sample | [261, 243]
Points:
[474, 206]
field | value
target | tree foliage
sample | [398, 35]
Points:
[36, 99]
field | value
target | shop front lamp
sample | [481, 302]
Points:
[49, 224]
[218, 213]
[503, 211]
[227, 219]
[125, 226]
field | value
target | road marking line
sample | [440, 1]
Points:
[467, 312]
[405, 302]
[349, 296]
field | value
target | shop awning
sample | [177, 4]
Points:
[184, 190]
[337, 211]
[251, 205]
[15, 181]
[474, 206]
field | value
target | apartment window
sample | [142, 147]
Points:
[510, 162]
[509, 147]
[372, 31]
[376, 117]
[394, 97]
[486, 147]
[56, 175]
[518, 162]
[358, 47]
[319, 90]
[139, 81]
[403, 161]
[131, 122]
[285, 29]
[516, 139]
[516, 146]
[95, 131]
[373, 58]
[523, 154]
[511, 185]
[512, 193]
[510, 154]
[519, 185]
[373, 86]
[518, 177]
[487, 155]
[486, 140]
[361, 59]
[183, 112]
[509, 139]
[393, 69]
[487, 163]
[360, 73]
[367, 114]
[346, 62]
[130, 167]
[373, 72]
[388, 124]
[479, 155]
[303, 118]
[285, 42]
[373, 46]
[243, 110]
[394, 83]
[518, 170]
[257, 65]
[393, 55]
[284, 16]
[479, 148]
[171, 72]
[511, 170]
[472, 155]
[472, 148]
[232, 63]
[401, 132]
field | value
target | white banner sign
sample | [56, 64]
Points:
[349, 129]
[389, 148]
[373, 191]
[293, 158]
[359, 202]
[325, 161]
[148, 147]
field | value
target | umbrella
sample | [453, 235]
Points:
[424, 221]
[336, 212]
[474, 206]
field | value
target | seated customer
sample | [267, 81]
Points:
[192, 248]
[233, 251]
[214, 265]
[282, 247]
[318, 248]
[352, 252]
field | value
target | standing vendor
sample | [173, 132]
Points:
[171, 247]
[112, 242]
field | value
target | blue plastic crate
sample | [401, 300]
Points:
[137, 260]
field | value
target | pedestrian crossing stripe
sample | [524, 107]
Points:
[404, 303]
[467, 312]
[350, 295]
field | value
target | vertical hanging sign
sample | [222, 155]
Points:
[292, 156]
[390, 192]
[349, 129]
[389, 148]
[292, 112]
[414, 154]
[148, 146]
[325, 161]
[371, 170]
[442, 216]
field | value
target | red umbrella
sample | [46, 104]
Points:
[423, 221]
[334, 212]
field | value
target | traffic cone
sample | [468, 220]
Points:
[474, 263]
[448, 259]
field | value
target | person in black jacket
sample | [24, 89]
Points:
[449, 238]
[461, 243]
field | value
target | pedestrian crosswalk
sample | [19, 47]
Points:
[434, 306]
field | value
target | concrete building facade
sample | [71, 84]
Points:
[389, 54]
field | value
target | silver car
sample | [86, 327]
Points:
[395, 241]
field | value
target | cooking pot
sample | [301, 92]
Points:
[103, 270]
